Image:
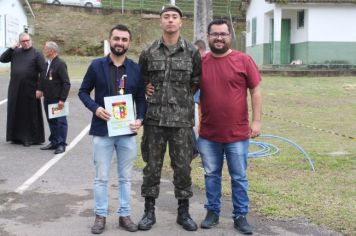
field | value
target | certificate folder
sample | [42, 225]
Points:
[122, 114]
[54, 112]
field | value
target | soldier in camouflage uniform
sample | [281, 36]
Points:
[171, 70]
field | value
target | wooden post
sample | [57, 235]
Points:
[203, 14]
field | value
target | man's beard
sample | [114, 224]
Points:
[222, 50]
[118, 53]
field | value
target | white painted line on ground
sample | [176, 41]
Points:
[3, 101]
[51, 162]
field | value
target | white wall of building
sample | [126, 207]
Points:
[330, 23]
[298, 35]
[12, 11]
[340, 27]
[267, 26]
[257, 9]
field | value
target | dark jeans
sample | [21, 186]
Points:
[57, 126]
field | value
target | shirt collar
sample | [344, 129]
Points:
[110, 62]
[180, 43]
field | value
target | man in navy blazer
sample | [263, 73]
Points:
[113, 75]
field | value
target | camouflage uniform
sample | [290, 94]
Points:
[173, 71]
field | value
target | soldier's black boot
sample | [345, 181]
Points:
[183, 217]
[149, 217]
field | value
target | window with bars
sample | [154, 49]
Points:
[300, 16]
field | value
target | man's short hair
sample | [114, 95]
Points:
[219, 22]
[23, 34]
[52, 45]
[120, 27]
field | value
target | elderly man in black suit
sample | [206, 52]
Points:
[55, 87]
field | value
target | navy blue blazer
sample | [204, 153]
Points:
[97, 77]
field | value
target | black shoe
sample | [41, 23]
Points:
[241, 224]
[210, 220]
[60, 149]
[149, 217]
[184, 218]
[26, 144]
[50, 146]
[99, 225]
[15, 141]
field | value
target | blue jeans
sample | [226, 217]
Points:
[126, 150]
[212, 155]
[57, 126]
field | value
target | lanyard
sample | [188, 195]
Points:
[121, 84]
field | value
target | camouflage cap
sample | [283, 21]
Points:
[170, 7]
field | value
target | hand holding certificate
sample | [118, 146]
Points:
[122, 114]
[54, 111]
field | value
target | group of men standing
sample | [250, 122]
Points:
[162, 86]
[32, 78]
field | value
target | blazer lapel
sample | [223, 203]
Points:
[106, 74]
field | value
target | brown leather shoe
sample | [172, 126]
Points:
[99, 225]
[126, 223]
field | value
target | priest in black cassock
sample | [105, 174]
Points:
[24, 113]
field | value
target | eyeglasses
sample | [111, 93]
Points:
[221, 34]
[25, 40]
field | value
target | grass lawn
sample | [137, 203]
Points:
[317, 114]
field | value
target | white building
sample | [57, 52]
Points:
[308, 31]
[13, 21]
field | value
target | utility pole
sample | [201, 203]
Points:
[203, 14]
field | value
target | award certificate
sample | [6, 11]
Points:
[54, 112]
[122, 114]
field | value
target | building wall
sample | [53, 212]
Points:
[13, 9]
[328, 35]
[257, 9]
[297, 34]
[325, 52]
[256, 52]
[332, 23]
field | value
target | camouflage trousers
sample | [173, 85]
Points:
[153, 148]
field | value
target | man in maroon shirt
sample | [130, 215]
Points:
[227, 76]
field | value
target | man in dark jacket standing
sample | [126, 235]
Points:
[55, 87]
[24, 112]
[113, 75]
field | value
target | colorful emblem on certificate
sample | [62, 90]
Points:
[119, 110]
[122, 114]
